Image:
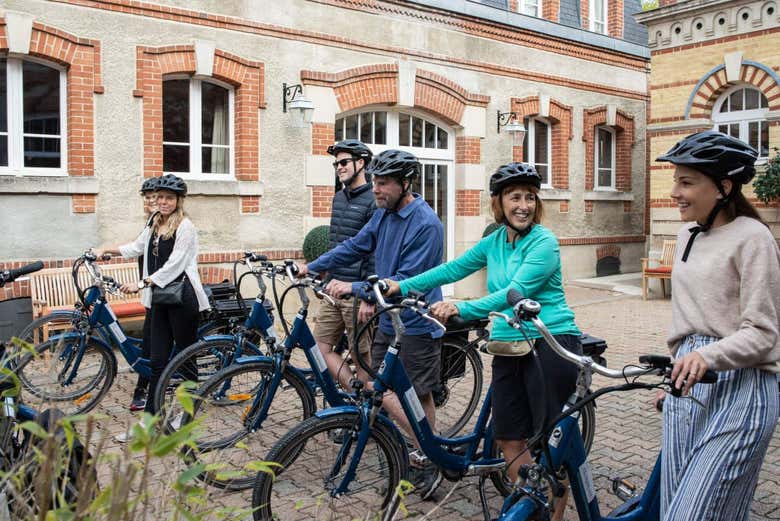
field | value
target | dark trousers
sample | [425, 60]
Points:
[171, 324]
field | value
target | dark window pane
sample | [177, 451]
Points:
[430, 135]
[725, 105]
[442, 138]
[734, 130]
[442, 202]
[751, 99]
[735, 99]
[42, 152]
[365, 127]
[764, 148]
[753, 134]
[176, 112]
[215, 115]
[429, 185]
[3, 98]
[351, 131]
[540, 148]
[605, 148]
[605, 178]
[176, 158]
[526, 122]
[723, 128]
[403, 130]
[340, 129]
[215, 160]
[542, 171]
[3, 150]
[41, 89]
[417, 132]
[380, 128]
[764, 102]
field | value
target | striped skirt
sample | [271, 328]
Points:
[712, 455]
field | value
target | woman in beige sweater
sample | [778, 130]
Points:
[725, 314]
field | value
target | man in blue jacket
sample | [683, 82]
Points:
[406, 238]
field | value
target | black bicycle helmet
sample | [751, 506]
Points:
[719, 157]
[395, 163]
[172, 183]
[150, 185]
[514, 173]
[715, 155]
[357, 148]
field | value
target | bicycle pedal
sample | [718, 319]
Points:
[623, 488]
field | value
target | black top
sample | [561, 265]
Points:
[352, 209]
[159, 252]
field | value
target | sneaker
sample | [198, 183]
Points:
[177, 421]
[126, 436]
[426, 480]
[138, 404]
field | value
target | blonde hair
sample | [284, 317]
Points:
[498, 208]
[173, 222]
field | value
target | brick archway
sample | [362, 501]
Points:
[714, 83]
[246, 76]
[560, 118]
[624, 127]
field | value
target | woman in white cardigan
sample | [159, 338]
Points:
[170, 250]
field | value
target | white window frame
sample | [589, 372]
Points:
[604, 19]
[535, 4]
[15, 115]
[741, 117]
[195, 130]
[531, 147]
[596, 168]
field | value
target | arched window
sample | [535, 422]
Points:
[741, 112]
[32, 117]
[197, 128]
[537, 147]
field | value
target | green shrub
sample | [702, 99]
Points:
[490, 228]
[767, 182]
[316, 242]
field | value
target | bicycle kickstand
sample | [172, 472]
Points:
[483, 498]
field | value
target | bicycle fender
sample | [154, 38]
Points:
[381, 418]
[520, 511]
[252, 359]
[214, 338]
[97, 340]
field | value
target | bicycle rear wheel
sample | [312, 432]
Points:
[587, 423]
[40, 329]
[314, 457]
[461, 386]
[44, 372]
[228, 405]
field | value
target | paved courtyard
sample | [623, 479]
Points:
[627, 435]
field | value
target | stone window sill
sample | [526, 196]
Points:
[11, 184]
[221, 188]
[551, 194]
[608, 195]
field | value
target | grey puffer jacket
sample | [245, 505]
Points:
[351, 210]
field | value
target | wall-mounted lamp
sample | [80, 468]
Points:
[509, 121]
[301, 108]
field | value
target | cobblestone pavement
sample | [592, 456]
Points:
[627, 434]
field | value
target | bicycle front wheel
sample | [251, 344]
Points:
[461, 386]
[228, 407]
[314, 457]
[39, 330]
[53, 373]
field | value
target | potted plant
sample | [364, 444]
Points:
[767, 181]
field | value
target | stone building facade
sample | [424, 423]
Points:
[102, 94]
[714, 66]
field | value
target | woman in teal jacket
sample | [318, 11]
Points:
[521, 255]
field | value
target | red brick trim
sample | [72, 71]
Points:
[247, 78]
[360, 86]
[443, 97]
[83, 203]
[477, 26]
[322, 136]
[468, 150]
[550, 9]
[624, 134]
[468, 202]
[677, 131]
[322, 200]
[608, 250]
[627, 205]
[715, 85]
[560, 118]
[81, 58]
[615, 21]
[668, 202]
[579, 241]
[585, 14]
[588, 206]
[451, 88]
[250, 204]
[563, 207]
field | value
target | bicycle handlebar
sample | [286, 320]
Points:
[413, 302]
[7, 276]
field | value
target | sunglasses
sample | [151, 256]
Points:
[342, 162]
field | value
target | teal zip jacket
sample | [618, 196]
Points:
[532, 266]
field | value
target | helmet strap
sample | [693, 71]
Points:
[406, 190]
[703, 228]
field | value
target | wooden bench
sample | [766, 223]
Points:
[53, 289]
[660, 268]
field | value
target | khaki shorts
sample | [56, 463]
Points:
[332, 320]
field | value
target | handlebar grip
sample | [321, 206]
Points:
[24, 270]
[455, 322]
[255, 257]
[513, 297]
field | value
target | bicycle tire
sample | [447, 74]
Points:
[462, 394]
[39, 372]
[296, 491]
[36, 332]
[223, 399]
[587, 422]
[208, 356]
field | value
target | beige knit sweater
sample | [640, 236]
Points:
[729, 288]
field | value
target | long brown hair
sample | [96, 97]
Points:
[498, 208]
[739, 206]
